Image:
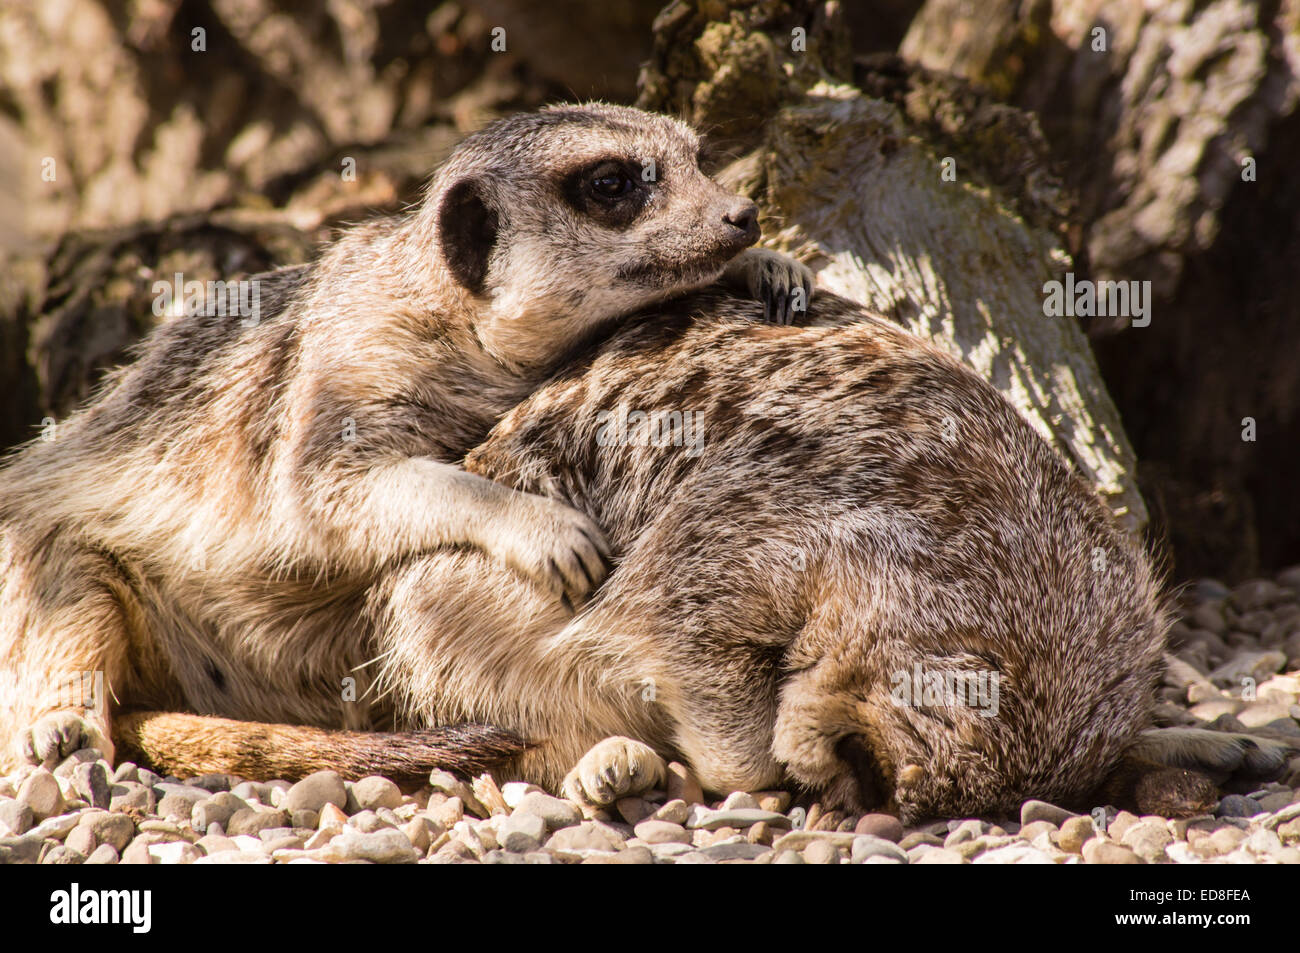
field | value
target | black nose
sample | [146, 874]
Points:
[744, 216]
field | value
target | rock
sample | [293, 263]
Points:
[938, 855]
[62, 854]
[91, 781]
[1119, 824]
[553, 811]
[822, 852]
[21, 850]
[313, 792]
[1264, 842]
[1032, 811]
[103, 854]
[885, 826]
[1099, 851]
[589, 835]
[1033, 830]
[250, 821]
[1014, 854]
[798, 840]
[1258, 714]
[489, 795]
[868, 845]
[682, 784]
[788, 857]
[132, 796]
[116, 830]
[514, 791]
[633, 810]
[15, 817]
[1148, 839]
[662, 832]
[370, 821]
[633, 855]
[452, 786]
[179, 805]
[216, 809]
[370, 793]
[778, 801]
[1289, 833]
[380, 847]
[674, 812]
[521, 832]
[739, 799]
[738, 818]
[1256, 665]
[1208, 617]
[137, 852]
[82, 840]
[40, 792]
[174, 852]
[722, 853]
[305, 819]
[234, 857]
[251, 791]
[1237, 805]
[1074, 833]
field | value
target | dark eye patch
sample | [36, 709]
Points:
[610, 191]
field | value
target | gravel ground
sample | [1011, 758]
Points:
[1231, 650]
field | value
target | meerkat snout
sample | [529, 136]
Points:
[743, 217]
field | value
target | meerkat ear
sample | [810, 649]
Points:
[467, 232]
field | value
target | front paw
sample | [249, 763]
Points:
[614, 768]
[782, 283]
[55, 736]
[555, 546]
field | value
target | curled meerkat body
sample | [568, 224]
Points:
[860, 505]
[232, 463]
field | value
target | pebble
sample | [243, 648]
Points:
[868, 845]
[250, 821]
[682, 785]
[1032, 811]
[313, 792]
[928, 854]
[132, 796]
[15, 817]
[884, 826]
[1074, 833]
[40, 792]
[589, 835]
[522, 833]
[1098, 851]
[1238, 805]
[103, 854]
[821, 852]
[553, 811]
[674, 812]
[115, 830]
[91, 781]
[662, 832]
[738, 818]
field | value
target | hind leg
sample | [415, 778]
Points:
[63, 646]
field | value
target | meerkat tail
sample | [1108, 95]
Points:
[185, 745]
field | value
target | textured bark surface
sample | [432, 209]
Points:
[853, 185]
[1152, 131]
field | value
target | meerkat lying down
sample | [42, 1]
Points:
[849, 512]
[323, 441]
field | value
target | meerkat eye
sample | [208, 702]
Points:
[611, 182]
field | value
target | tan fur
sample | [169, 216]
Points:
[861, 504]
[216, 516]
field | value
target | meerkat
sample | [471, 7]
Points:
[322, 440]
[862, 508]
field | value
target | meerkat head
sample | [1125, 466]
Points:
[557, 221]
